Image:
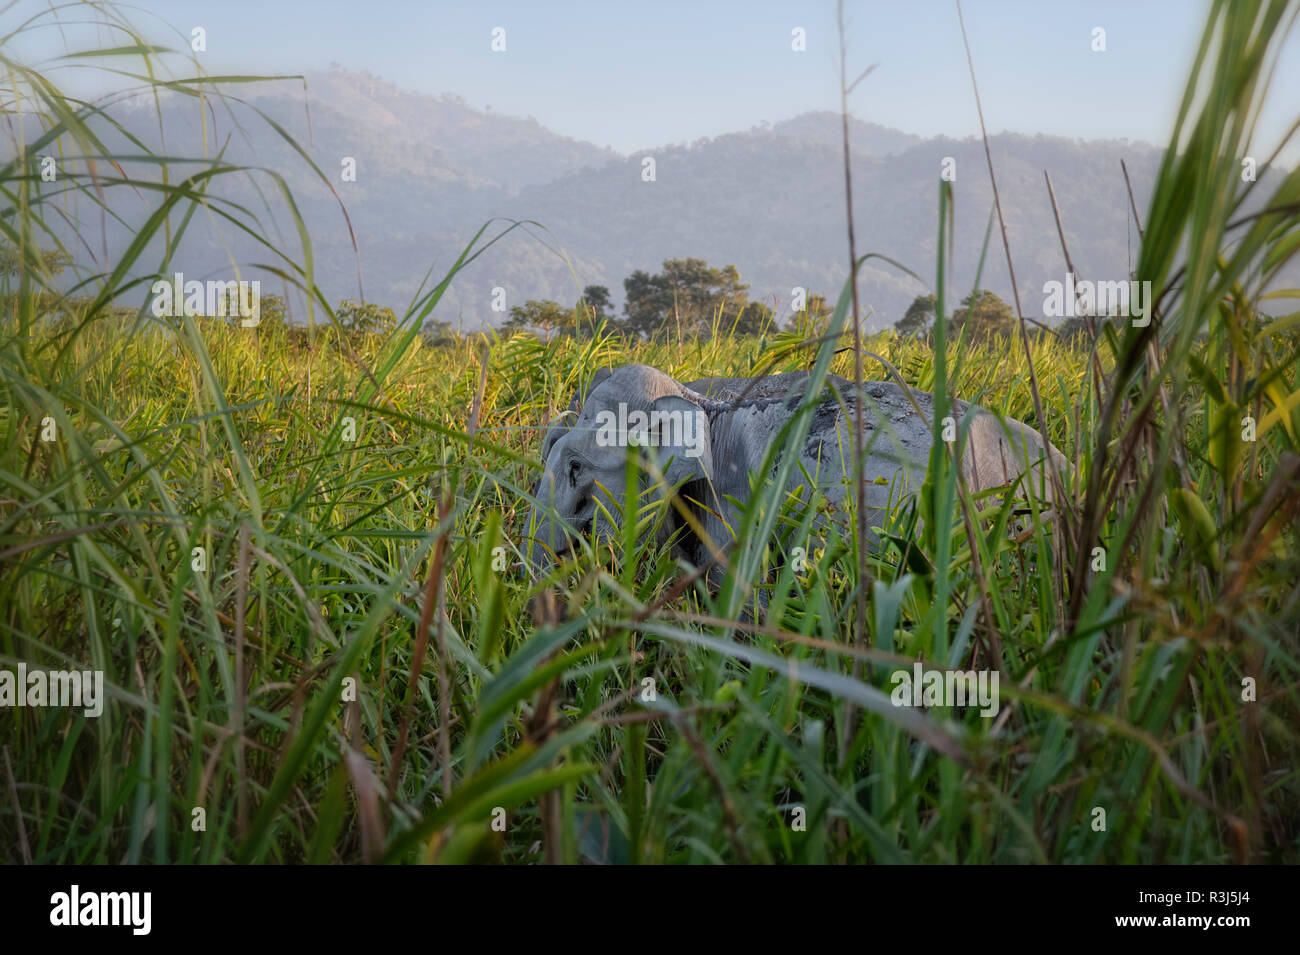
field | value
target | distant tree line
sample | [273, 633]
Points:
[687, 298]
[982, 315]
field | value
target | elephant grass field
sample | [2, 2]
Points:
[299, 558]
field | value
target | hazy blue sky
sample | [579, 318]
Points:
[632, 75]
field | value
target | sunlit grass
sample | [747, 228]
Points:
[231, 688]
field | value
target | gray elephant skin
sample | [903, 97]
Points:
[708, 437]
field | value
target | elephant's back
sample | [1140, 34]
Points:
[745, 389]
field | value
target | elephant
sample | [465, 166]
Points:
[710, 438]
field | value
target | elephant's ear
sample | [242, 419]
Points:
[681, 433]
[564, 421]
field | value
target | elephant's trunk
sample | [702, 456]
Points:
[539, 556]
[545, 541]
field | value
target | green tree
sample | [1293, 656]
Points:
[437, 334]
[683, 298]
[817, 308]
[52, 260]
[1072, 328]
[365, 317]
[755, 318]
[918, 317]
[596, 298]
[813, 319]
[647, 301]
[544, 315]
[271, 309]
[985, 314]
[593, 308]
[271, 312]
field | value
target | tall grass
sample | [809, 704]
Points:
[365, 671]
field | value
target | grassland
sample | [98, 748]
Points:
[317, 649]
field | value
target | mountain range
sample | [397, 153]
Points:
[431, 170]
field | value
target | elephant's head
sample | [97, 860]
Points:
[585, 456]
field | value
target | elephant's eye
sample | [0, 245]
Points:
[574, 467]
